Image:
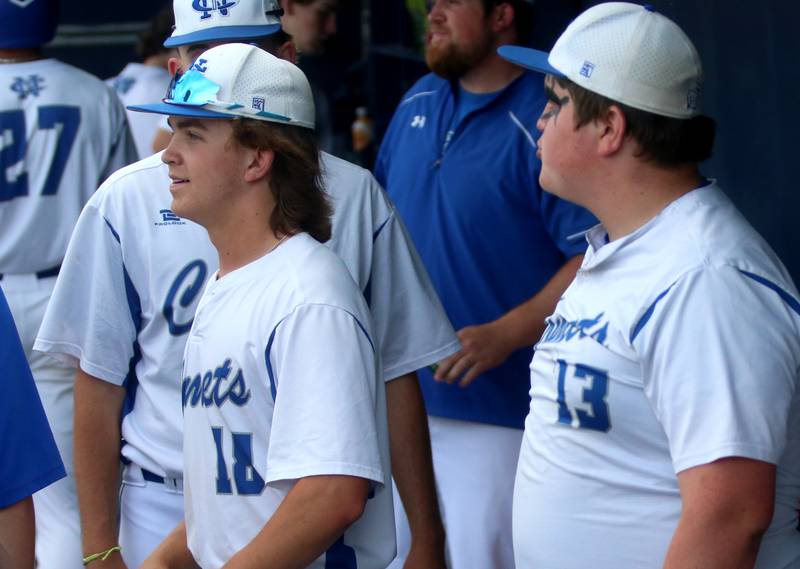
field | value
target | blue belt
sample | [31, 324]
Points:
[45, 274]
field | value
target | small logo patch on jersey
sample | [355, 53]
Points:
[26, 86]
[208, 7]
[169, 218]
[587, 69]
[418, 121]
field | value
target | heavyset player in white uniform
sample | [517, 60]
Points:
[664, 427]
[62, 132]
[127, 294]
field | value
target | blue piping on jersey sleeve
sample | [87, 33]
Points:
[273, 383]
[113, 231]
[131, 382]
[785, 296]
[367, 292]
[648, 313]
[380, 228]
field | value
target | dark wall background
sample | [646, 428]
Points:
[750, 51]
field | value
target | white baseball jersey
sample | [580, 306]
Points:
[138, 84]
[133, 275]
[62, 132]
[675, 346]
[281, 382]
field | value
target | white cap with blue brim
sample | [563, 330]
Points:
[203, 21]
[239, 80]
[628, 53]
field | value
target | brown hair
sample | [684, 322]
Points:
[663, 140]
[295, 177]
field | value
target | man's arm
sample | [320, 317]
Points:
[486, 346]
[16, 535]
[412, 468]
[314, 514]
[727, 507]
[173, 553]
[98, 406]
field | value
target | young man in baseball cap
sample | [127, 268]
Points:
[665, 422]
[285, 432]
[134, 273]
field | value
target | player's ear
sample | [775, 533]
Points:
[612, 128]
[259, 165]
[173, 64]
[287, 51]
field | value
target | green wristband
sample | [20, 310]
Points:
[102, 555]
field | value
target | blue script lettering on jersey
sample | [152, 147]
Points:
[185, 290]
[213, 388]
[562, 330]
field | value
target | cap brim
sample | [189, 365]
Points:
[528, 58]
[180, 111]
[222, 33]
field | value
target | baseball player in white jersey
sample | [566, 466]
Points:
[281, 379]
[62, 133]
[125, 301]
[665, 416]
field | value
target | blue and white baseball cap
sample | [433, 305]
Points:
[628, 53]
[239, 80]
[201, 21]
[27, 23]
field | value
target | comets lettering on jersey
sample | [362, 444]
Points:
[208, 389]
[561, 330]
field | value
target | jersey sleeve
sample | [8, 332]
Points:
[29, 458]
[322, 372]
[408, 317]
[123, 149]
[721, 354]
[89, 319]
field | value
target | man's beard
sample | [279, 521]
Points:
[453, 62]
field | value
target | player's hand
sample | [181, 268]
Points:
[420, 557]
[483, 347]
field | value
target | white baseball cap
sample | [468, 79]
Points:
[200, 21]
[628, 53]
[239, 80]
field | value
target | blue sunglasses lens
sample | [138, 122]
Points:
[193, 88]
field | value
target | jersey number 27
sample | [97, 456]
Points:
[14, 146]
